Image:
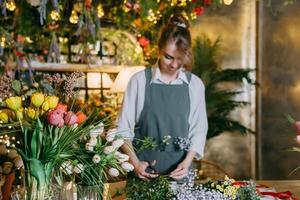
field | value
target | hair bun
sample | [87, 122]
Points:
[179, 20]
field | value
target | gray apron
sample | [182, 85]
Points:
[165, 113]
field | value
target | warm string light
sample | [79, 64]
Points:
[154, 17]
[100, 12]
[227, 2]
[74, 17]
[54, 15]
[2, 42]
[10, 5]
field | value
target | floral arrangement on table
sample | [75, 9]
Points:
[52, 134]
[162, 188]
[296, 125]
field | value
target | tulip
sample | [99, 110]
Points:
[122, 157]
[98, 130]
[109, 149]
[93, 141]
[127, 166]
[37, 99]
[70, 118]
[3, 117]
[111, 135]
[113, 172]
[78, 168]
[55, 118]
[67, 167]
[19, 114]
[298, 139]
[14, 103]
[31, 113]
[297, 127]
[89, 147]
[45, 106]
[118, 143]
[96, 158]
[53, 101]
[62, 107]
[81, 117]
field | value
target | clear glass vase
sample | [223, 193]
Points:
[89, 192]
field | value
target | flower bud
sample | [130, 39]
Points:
[78, 168]
[14, 103]
[53, 101]
[62, 107]
[89, 147]
[67, 167]
[118, 143]
[122, 157]
[93, 141]
[70, 118]
[37, 99]
[19, 114]
[3, 117]
[127, 166]
[31, 113]
[113, 172]
[109, 149]
[45, 106]
[111, 135]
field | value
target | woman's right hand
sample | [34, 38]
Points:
[140, 171]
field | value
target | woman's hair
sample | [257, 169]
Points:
[177, 30]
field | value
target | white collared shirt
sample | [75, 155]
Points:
[133, 103]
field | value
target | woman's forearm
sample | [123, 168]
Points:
[128, 149]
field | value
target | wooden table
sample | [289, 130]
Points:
[283, 185]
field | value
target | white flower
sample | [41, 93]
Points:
[113, 172]
[118, 143]
[111, 134]
[98, 130]
[121, 157]
[93, 141]
[96, 158]
[78, 168]
[67, 167]
[127, 166]
[109, 149]
[18, 162]
[89, 147]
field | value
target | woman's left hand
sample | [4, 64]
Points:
[181, 171]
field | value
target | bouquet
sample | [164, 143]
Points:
[51, 134]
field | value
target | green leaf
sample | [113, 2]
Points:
[36, 139]
[48, 87]
[16, 85]
[37, 171]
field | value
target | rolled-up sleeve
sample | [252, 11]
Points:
[127, 115]
[198, 117]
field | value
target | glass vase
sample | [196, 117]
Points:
[90, 192]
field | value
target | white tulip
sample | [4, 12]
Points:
[67, 167]
[78, 168]
[113, 172]
[118, 143]
[127, 166]
[89, 147]
[111, 134]
[96, 158]
[109, 149]
[93, 141]
[122, 157]
[98, 130]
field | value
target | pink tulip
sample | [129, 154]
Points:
[297, 127]
[70, 118]
[55, 118]
[298, 139]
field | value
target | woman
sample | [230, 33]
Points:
[167, 104]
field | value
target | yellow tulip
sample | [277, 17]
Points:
[53, 101]
[14, 103]
[37, 99]
[45, 106]
[19, 115]
[3, 117]
[31, 113]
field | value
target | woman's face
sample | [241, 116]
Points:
[170, 59]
